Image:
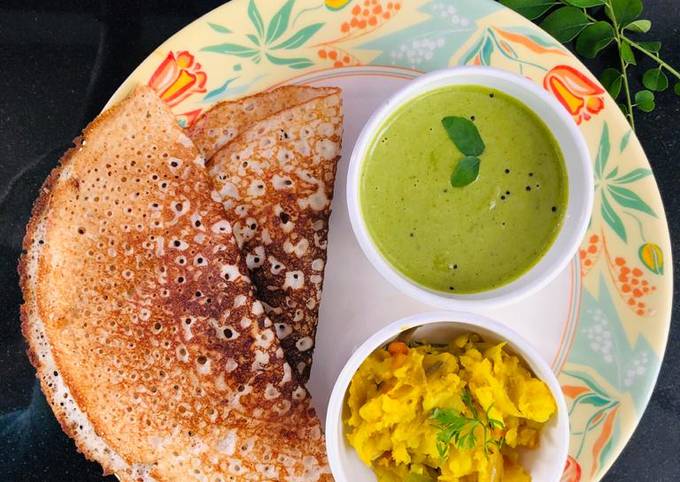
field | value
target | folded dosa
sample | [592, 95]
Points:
[140, 318]
[275, 181]
[226, 120]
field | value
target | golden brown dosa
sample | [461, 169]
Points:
[226, 120]
[140, 319]
[275, 181]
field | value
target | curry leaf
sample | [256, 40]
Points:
[219, 28]
[464, 134]
[624, 11]
[632, 176]
[644, 100]
[628, 199]
[639, 26]
[231, 49]
[655, 79]
[627, 53]
[594, 38]
[602, 152]
[612, 219]
[585, 3]
[279, 22]
[466, 171]
[531, 9]
[299, 38]
[651, 46]
[256, 18]
[612, 80]
[565, 23]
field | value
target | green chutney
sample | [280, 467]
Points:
[463, 239]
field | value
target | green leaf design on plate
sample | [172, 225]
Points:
[531, 9]
[219, 28]
[676, 88]
[279, 22]
[639, 26]
[655, 79]
[613, 173]
[628, 199]
[652, 257]
[595, 400]
[585, 378]
[612, 80]
[565, 23]
[633, 175]
[624, 141]
[466, 171]
[300, 37]
[584, 3]
[296, 63]
[487, 50]
[256, 18]
[644, 100]
[594, 38]
[219, 91]
[254, 39]
[602, 152]
[464, 134]
[613, 219]
[232, 49]
[624, 11]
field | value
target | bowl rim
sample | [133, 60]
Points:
[521, 347]
[573, 227]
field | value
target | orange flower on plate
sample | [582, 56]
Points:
[178, 77]
[582, 97]
[572, 471]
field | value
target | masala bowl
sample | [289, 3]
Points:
[545, 462]
[495, 237]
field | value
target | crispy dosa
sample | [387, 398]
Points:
[140, 318]
[275, 181]
[226, 120]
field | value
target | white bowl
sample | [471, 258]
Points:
[545, 463]
[579, 177]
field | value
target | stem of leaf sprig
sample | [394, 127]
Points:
[652, 56]
[624, 67]
[577, 20]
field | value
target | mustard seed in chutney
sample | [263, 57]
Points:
[463, 239]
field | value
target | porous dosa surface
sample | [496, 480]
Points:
[140, 318]
[226, 120]
[275, 181]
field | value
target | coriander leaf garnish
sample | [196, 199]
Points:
[460, 430]
[464, 135]
[466, 171]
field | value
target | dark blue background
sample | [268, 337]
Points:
[59, 63]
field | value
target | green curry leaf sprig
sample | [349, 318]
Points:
[462, 430]
[465, 136]
[594, 25]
